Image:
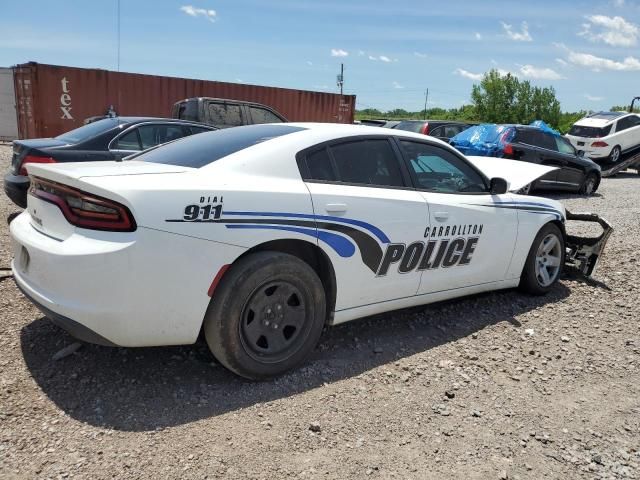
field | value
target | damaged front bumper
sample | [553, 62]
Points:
[583, 253]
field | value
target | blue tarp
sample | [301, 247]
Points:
[544, 127]
[488, 139]
[482, 140]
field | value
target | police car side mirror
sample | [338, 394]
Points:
[498, 186]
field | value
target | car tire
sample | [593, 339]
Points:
[590, 185]
[266, 315]
[12, 216]
[544, 256]
[616, 153]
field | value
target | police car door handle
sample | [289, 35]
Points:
[441, 216]
[335, 207]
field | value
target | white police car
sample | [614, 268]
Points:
[265, 234]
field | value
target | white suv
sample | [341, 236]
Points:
[606, 135]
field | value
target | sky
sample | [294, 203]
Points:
[392, 51]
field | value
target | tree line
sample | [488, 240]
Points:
[497, 99]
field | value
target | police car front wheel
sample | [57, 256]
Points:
[544, 263]
[266, 315]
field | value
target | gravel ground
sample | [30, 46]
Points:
[499, 386]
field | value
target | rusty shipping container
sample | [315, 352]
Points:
[53, 99]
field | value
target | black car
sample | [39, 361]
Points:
[379, 123]
[442, 129]
[224, 112]
[107, 139]
[532, 144]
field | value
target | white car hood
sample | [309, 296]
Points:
[518, 174]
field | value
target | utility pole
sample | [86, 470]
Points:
[340, 83]
[426, 99]
[118, 35]
[341, 77]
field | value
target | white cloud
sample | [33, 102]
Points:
[420, 55]
[478, 36]
[382, 58]
[199, 12]
[629, 64]
[593, 98]
[360, 53]
[614, 31]
[467, 74]
[522, 36]
[618, 3]
[562, 62]
[539, 73]
[338, 52]
[397, 85]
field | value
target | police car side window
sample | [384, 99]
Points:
[319, 166]
[367, 162]
[438, 170]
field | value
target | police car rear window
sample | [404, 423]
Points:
[199, 150]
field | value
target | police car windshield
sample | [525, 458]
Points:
[89, 131]
[199, 150]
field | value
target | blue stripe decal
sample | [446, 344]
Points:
[523, 206]
[367, 226]
[525, 203]
[546, 213]
[341, 245]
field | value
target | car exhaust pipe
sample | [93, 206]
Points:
[583, 253]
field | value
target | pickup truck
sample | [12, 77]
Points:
[224, 113]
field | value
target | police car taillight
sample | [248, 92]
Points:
[84, 209]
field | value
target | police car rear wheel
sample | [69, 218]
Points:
[266, 315]
[544, 262]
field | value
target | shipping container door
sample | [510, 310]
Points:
[8, 119]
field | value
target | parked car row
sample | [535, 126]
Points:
[110, 137]
[605, 136]
[534, 144]
[600, 139]
[442, 129]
